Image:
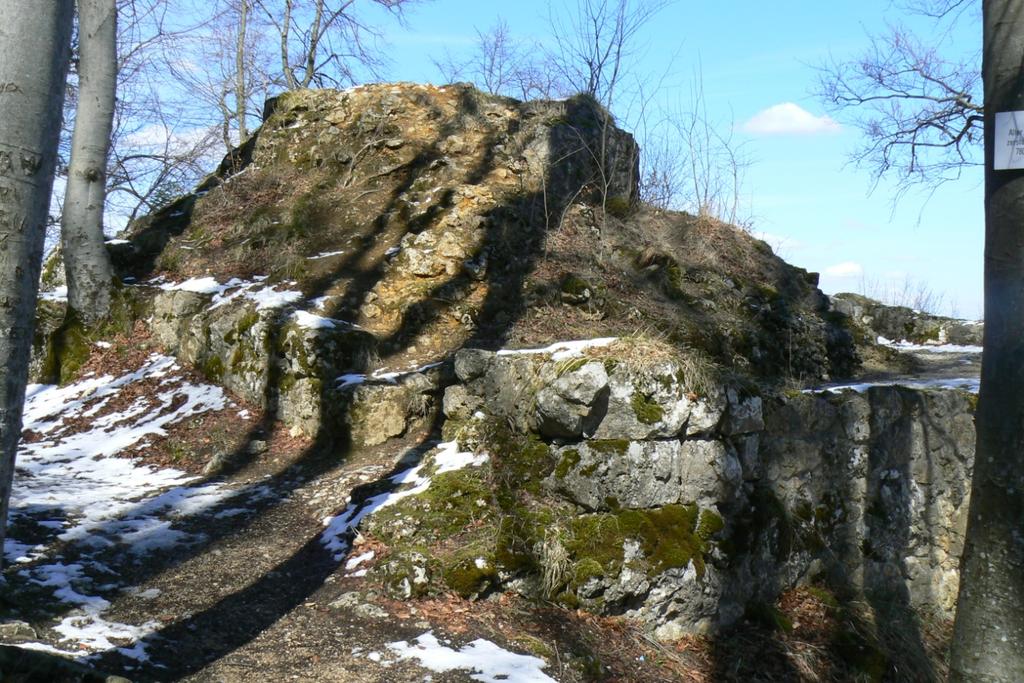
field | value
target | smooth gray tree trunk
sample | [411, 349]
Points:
[988, 639]
[241, 73]
[35, 37]
[86, 261]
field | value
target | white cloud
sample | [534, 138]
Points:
[845, 269]
[789, 119]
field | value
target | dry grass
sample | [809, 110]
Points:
[649, 349]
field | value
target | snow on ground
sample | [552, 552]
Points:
[324, 254]
[311, 321]
[223, 293]
[446, 457]
[93, 506]
[558, 351]
[929, 347]
[563, 350]
[971, 384]
[382, 375]
[59, 294]
[488, 662]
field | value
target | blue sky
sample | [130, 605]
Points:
[814, 207]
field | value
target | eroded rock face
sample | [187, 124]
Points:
[264, 355]
[883, 478]
[900, 323]
[685, 518]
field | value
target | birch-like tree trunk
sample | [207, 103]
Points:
[86, 261]
[241, 72]
[35, 37]
[988, 638]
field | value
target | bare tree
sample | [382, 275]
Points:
[502, 65]
[87, 264]
[597, 43]
[920, 113]
[34, 51]
[325, 42]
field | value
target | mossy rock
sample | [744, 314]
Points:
[69, 346]
[470, 574]
[574, 289]
[646, 410]
[453, 502]
[668, 538]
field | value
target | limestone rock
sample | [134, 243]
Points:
[574, 404]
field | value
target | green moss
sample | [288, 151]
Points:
[574, 286]
[609, 446]
[470, 574]
[454, 501]
[247, 321]
[645, 409]
[213, 368]
[570, 458]
[71, 344]
[619, 206]
[709, 524]
[519, 463]
[668, 539]
[767, 292]
[861, 654]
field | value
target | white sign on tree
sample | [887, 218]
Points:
[1009, 142]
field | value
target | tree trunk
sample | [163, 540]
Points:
[988, 640]
[241, 94]
[35, 37]
[86, 260]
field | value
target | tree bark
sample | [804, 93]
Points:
[35, 37]
[286, 67]
[86, 261]
[988, 640]
[241, 94]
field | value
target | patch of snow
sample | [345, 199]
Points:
[929, 347]
[199, 285]
[320, 302]
[350, 380]
[265, 297]
[117, 241]
[562, 350]
[69, 483]
[382, 375]
[59, 294]
[326, 254]
[271, 298]
[359, 559]
[971, 384]
[393, 251]
[311, 321]
[488, 662]
[447, 458]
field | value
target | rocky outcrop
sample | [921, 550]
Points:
[620, 490]
[899, 323]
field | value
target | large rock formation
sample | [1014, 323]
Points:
[619, 489]
[356, 265]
